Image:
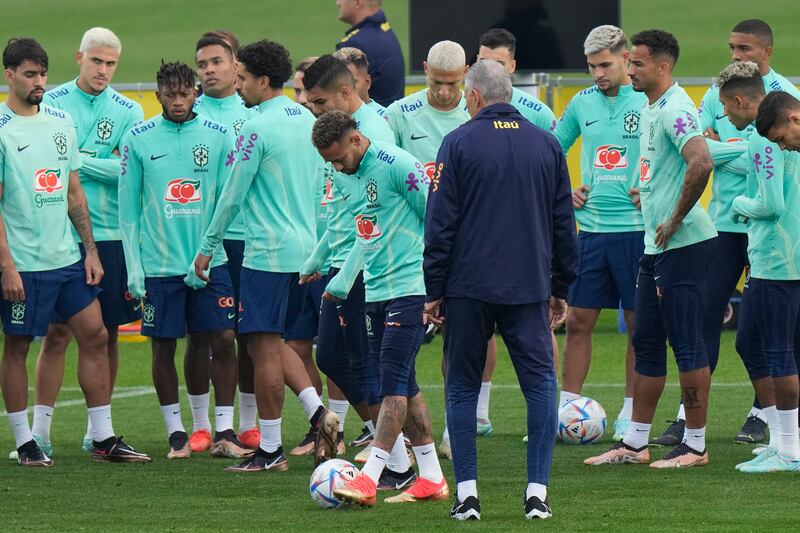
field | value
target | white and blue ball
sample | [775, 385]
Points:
[581, 421]
[331, 474]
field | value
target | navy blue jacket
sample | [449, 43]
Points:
[375, 37]
[499, 225]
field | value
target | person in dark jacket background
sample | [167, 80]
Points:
[371, 33]
[500, 247]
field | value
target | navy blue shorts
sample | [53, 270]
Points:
[234, 249]
[171, 308]
[607, 270]
[116, 303]
[304, 314]
[748, 338]
[776, 309]
[670, 305]
[395, 332]
[51, 296]
[270, 302]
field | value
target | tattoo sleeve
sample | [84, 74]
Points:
[698, 169]
[78, 212]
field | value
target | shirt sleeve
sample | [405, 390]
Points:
[681, 125]
[131, 176]
[564, 265]
[568, 129]
[723, 152]
[408, 182]
[75, 160]
[342, 283]
[393, 118]
[2, 162]
[102, 170]
[707, 111]
[769, 203]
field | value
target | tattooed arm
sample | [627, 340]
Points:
[79, 215]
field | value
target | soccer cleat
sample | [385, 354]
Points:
[340, 447]
[444, 450]
[327, 433]
[46, 447]
[682, 456]
[29, 454]
[363, 439]
[758, 450]
[227, 445]
[391, 480]
[776, 462]
[87, 445]
[306, 446]
[250, 438]
[117, 451]
[525, 439]
[200, 441]
[753, 431]
[262, 461]
[672, 436]
[179, 447]
[469, 509]
[422, 490]
[620, 428]
[766, 453]
[484, 428]
[537, 509]
[362, 456]
[620, 453]
[361, 491]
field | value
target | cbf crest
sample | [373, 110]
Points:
[200, 155]
[60, 141]
[372, 192]
[105, 128]
[630, 122]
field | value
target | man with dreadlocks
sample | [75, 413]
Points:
[173, 169]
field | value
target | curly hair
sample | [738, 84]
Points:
[742, 77]
[331, 127]
[660, 43]
[175, 75]
[267, 58]
[20, 49]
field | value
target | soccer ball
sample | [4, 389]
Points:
[581, 421]
[331, 474]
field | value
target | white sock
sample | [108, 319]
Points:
[759, 413]
[310, 401]
[21, 427]
[199, 404]
[638, 434]
[42, 418]
[536, 489]
[695, 438]
[223, 418]
[428, 462]
[467, 489]
[483, 400]
[248, 411]
[790, 445]
[398, 457]
[172, 418]
[681, 413]
[445, 433]
[270, 434]
[627, 409]
[771, 414]
[340, 407]
[565, 396]
[375, 464]
[370, 426]
[88, 434]
[101, 423]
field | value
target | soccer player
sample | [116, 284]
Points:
[500, 45]
[299, 88]
[342, 346]
[381, 185]
[611, 236]
[44, 279]
[674, 165]
[102, 116]
[173, 169]
[764, 340]
[750, 40]
[215, 60]
[358, 64]
[274, 185]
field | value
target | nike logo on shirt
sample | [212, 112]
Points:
[588, 123]
[418, 137]
[394, 314]
[154, 157]
[348, 196]
[21, 148]
[231, 315]
[720, 117]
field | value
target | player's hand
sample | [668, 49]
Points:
[558, 312]
[136, 285]
[93, 267]
[711, 134]
[13, 290]
[579, 196]
[330, 297]
[201, 264]
[309, 278]
[664, 232]
[433, 313]
[636, 199]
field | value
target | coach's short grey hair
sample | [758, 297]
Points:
[100, 37]
[447, 55]
[491, 80]
[606, 37]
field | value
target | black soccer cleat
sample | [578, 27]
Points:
[114, 450]
[327, 429]
[753, 431]
[29, 454]
[363, 439]
[391, 480]
[537, 509]
[672, 436]
[262, 461]
[469, 509]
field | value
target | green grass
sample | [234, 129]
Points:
[197, 495]
[152, 30]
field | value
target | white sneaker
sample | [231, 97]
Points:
[444, 450]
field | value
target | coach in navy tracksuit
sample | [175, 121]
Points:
[500, 248]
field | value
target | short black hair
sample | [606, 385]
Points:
[175, 75]
[757, 28]
[497, 38]
[774, 111]
[331, 127]
[741, 78]
[328, 73]
[226, 36]
[20, 49]
[212, 40]
[267, 58]
[660, 43]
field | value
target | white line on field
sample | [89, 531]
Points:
[131, 392]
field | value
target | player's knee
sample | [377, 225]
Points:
[650, 357]
[782, 364]
[578, 324]
[690, 358]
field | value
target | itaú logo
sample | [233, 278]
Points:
[610, 156]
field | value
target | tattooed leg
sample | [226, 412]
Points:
[418, 421]
[695, 387]
[390, 421]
